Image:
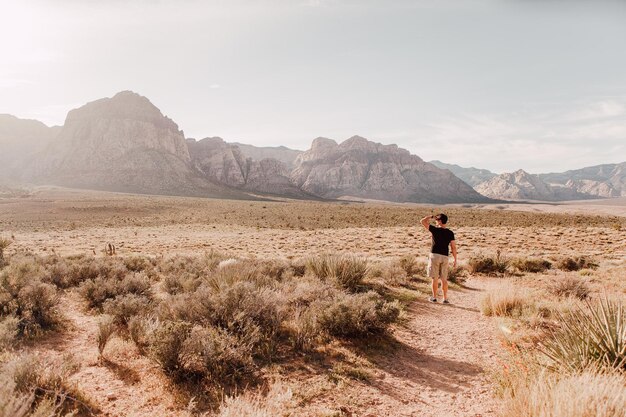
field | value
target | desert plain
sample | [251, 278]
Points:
[434, 360]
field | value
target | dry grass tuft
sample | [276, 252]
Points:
[275, 403]
[346, 270]
[579, 395]
[489, 265]
[106, 329]
[569, 286]
[506, 302]
[532, 265]
[575, 264]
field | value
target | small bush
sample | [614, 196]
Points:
[347, 271]
[531, 265]
[4, 243]
[457, 274]
[594, 336]
[106, 329]
[126, 306]
[575, 264]
[357, 315]
[570, 287]
[215, 353]
[166, 343]
[9, 329]
[495, 265]
[506, 302]
[25, 297]
[411, 266]
[97, 291]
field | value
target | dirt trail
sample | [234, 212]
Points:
[441, 366]
[438, 369]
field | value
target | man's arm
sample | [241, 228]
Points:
[426, 221]
[453, 247]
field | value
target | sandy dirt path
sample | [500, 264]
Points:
[439, 369]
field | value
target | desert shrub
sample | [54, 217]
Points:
[568, 286]
[275, 403]
[346, 270]
[457, 274]
[298, 267]
[392, 273]
[578, 395]
[166, 342]
[97, 291]
[9, 328]
[356, 315]
[25, 297]
[304, 329]
[412, 266]
[215, 353]
[532, 265]
[184, 273]
[106, 329]
[4, 243]
[126, 306]
[47, 386]
[574, 264]
[141, 329]
[505, 302]
[138, 263]
[489, 265]
[591, 336]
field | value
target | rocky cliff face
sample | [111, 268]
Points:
[608, 180]
[520, 185]
[226, 164]
[20, 141]
[123, 143]
[360, 168]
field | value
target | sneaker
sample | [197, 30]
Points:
[432, 299]
[446, 302]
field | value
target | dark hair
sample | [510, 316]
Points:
[442, 217]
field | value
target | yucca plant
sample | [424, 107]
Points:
[591, 337]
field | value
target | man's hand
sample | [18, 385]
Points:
[426, 221]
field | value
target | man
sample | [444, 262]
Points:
[442, 237]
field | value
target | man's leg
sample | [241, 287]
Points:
[444, 285]
[435, 286]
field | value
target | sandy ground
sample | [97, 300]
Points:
[440, 361]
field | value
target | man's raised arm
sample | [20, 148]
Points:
[426, 221]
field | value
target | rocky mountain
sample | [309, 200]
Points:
[281, 153]
[608, 180]
[472, 176]
[520, 185]
[226, 164]
[360, 168]
[20, 140]
[123, 143]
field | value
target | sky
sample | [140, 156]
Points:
[495, 84]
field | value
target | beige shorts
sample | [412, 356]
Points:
[437, 266]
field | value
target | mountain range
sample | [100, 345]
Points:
[125, 143]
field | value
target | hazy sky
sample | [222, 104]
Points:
[496, 84]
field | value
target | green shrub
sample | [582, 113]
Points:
[532, 265]
[593, 336]
[357, 315]
[166, 342]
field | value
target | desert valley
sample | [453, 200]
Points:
[145, 274]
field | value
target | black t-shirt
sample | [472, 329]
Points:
[441, 238]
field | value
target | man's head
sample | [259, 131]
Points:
[441, 218]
